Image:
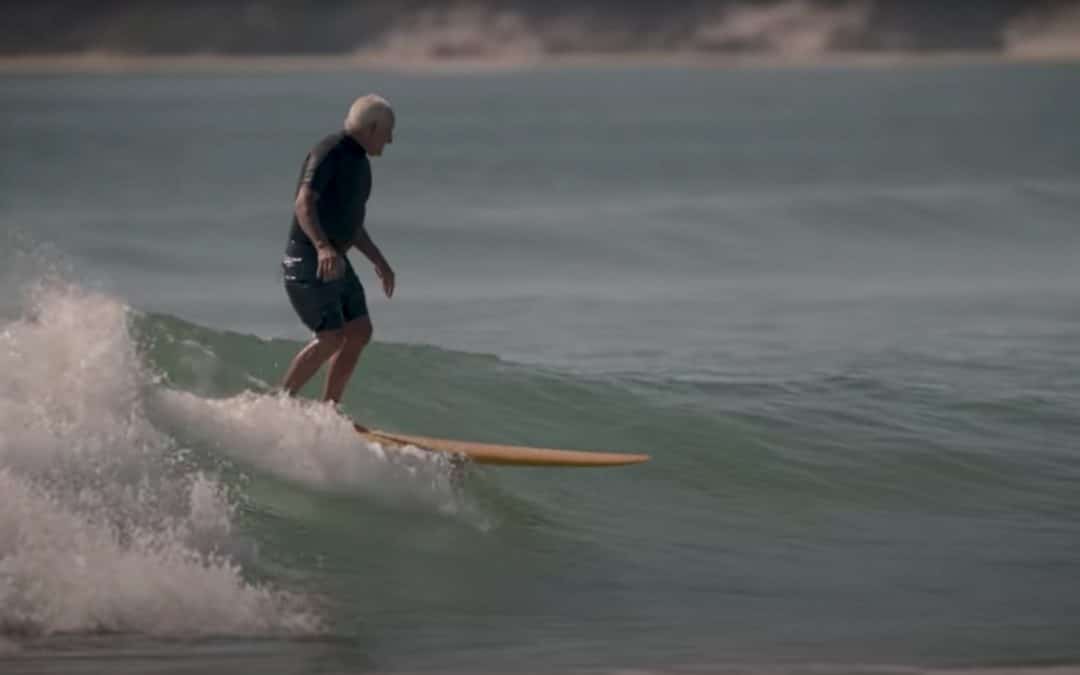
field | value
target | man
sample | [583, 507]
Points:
[328, 220]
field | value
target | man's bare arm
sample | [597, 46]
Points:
[363, 242]
[307, 214]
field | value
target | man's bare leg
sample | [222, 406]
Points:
[357, 335]
[308, 361]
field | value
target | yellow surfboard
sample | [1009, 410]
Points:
[504, 455]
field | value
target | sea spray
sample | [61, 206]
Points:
[103, 525]
[313, 444]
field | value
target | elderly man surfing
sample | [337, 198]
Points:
[328, 220]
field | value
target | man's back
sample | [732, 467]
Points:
[337, 169]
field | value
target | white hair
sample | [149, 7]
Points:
[368, 110]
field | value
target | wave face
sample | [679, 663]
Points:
[159, 479]
[152, 482]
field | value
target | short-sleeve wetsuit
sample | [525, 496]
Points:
[337, 169]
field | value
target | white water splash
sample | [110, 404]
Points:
[101, 526]
[310, 443]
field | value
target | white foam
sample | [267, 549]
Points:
[310, 443]
[100, 527]
[65, 570]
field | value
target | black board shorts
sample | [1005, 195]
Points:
[328, 305]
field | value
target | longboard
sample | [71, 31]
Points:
[504, 455]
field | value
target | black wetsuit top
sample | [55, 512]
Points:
[338, 170]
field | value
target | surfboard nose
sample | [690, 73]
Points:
[504, 455]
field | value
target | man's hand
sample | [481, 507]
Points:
[329, 263]
[387, 276]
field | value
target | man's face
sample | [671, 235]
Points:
[380, 136]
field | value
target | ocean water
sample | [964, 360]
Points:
[839, 306]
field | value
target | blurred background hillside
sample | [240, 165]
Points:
[418, 31]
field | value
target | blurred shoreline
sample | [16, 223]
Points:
[102, 62]
[498, 35]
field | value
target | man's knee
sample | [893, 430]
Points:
[358, 332]
[331, 340]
